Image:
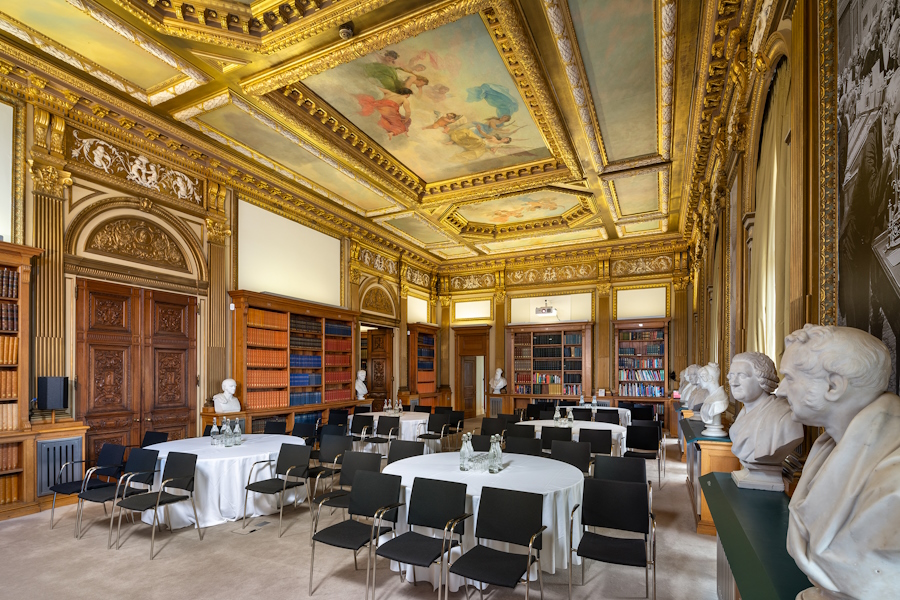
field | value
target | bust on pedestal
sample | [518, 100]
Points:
[715, 403]
[361, 389]
[699, 393]
[498, 382]
[688, 385]
[227, 402]
[764, 432]
[844, 527]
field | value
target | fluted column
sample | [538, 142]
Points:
[217, 363]
[680, 326]
[404, 341]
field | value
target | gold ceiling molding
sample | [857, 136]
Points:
[612, 198]
[419, 278]
[471, 282]
[265, 26]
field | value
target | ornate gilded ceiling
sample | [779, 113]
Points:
[458, 129]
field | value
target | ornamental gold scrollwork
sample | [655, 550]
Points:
[377, 300]
[445, 301]
[48, 180]
[138, 240]
[217, 231]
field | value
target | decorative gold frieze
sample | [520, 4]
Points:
[377, 262]
[551, 274]
[418, 277]
[642, 266]
[137, 240]
[472, 282]
[377, 300]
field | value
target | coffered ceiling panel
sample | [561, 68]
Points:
[416, 228]
[545, 241]
[636, 195]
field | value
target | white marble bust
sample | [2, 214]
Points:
[227, 402]
[844, 527]
[698, 392]
[688, 385]
[764, 432]
[361, 389]
[715, 402]
[498, 382]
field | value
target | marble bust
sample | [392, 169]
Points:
[764, 432]
[227, 402]
[843, 528]
[688, 385]
[698, 392]
[498, 382]
[715, 402]
[361, 389]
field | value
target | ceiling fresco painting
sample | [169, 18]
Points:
[416, 228]
[638, 194]
[527, 207]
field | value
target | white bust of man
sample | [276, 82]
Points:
[498, 382]
[227, 402]
[764, 432]
[715, 403]
[361, 389]
[688, 385]
[844, 527]
[698, 392]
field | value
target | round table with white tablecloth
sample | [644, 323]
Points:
[411, 425]
[618, 432]
[560, 484]
[221, 476]
[624, 413]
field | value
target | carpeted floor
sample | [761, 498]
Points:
[38, 563]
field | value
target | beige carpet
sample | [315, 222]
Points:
[39, 563]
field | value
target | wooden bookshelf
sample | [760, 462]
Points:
[423, 359]
[291, 358]
[548, 361]
[642, 358]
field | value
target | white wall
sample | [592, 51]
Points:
[641, 303]
[472, 309]
[569, 307]
[416, 310]
[7, 141]
[279, 256]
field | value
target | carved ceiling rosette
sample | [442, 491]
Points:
[137, 240]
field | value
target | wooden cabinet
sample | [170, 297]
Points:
[642, 358]
[423, 359]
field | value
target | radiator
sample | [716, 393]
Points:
[496, 405]
[726, 589]
[51, 456]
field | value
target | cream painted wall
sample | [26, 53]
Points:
[569, 307]
[642, 303]
[416, 310]
[472, 309]
[7, 115]
[279, 256]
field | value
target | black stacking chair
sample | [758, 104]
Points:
[567, 403]
[439, 505]
[456, 420]
[374, 496]
[533, 412]
[361, 427]
[520, 430]
[275, 427]
[511, 517]
[290, 472]
[109, 465]
[622, 506]
[599, 439]
[607, 416]
[338, 416]
[646, 443]
[400, 449]
[207, 430]
[508, 419]
[387, 429]
[627, 405]
[582, 414]
[619, 468]
[362, 408]
[405, 407]
[178, 475]
[577, 454]
[521, 445]
[548, 434]
[331, 452]
[642, 413]
[330, 429]
[422, 409]
[139, 468]
[481, 443]
[652, 423]
[353, 463]
[306, 431]
[154, 437]
[494, 426]
[440, 410]
[437, 428]
[547, 415]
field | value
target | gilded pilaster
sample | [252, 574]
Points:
[681, 316]
[444, 322]
[603, 365]
[499, 321]
[404, 332]
[217, 233]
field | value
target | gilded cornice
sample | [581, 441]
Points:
[828, 180]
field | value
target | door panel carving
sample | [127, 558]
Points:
[170, 320]
[109, 312]
[379, 377]
[108, 379]
[170, 384]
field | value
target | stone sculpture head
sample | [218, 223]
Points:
[752, 376]
[692, 374]
[361, 375]
[229, 386]
[708, 376]
[498, 373]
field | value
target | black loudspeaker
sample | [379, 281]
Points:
[53, 393]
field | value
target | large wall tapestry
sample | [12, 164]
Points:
[868, 170]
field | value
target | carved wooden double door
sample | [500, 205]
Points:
[379, 363]
[136, 355]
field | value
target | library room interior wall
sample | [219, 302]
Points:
[7, 118]
[569, 307]
[416, 310]
[641, 303]
[476, 311]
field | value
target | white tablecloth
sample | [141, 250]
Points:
[618, 432]
[220, 479]
[624, 413]
[560, 484]
[411, 425]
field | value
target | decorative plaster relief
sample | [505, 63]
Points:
[138, 240]
[375, 261]
[472, 282]
[642, 265]
[551, 274]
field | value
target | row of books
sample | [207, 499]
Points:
[298, 341]
[274, 359]
[332, 328]
[259, 425]
[574, 351]
[571, 377]
[302, 398]
[9, 283]
[306, 361]
[642, 389]
[426, 339]
[657, 349]
[572, 365]
[572, 338]
[427, 365]
[9, 383]
[424, 376]
[338, 395]
[306, 379]
[522, 365]
[572, 390]
[337, 376]
[547, 388]
[9, 416]
[645, 334]
[547, 352]
[332, 345]
[266, 318]
[547, 339]
[299, 323]
[522, 339]
[545, 378]
[427, 352]
[9, 489]
[9, 350]
[548, 365]
[337, 360]
[642, 374]
[522, 352]
[9, 317]
[258, 379]
[267, 399]
[9, 457]
[267, 337]
[310, 417]
[640, 363]
[523, 377]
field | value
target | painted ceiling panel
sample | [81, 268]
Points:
[527, 207]
[415, 226]
[642, 227]
[538, 242]
[638, 194]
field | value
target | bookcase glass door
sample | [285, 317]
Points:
[641, 361]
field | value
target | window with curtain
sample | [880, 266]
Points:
[768, 310]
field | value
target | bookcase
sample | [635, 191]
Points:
[642, 358]
[548, 361]
[292, 359]
[423, 358]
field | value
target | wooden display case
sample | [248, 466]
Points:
[642, 359]
[423, 359]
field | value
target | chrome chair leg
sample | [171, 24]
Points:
[540, 576]
[112, 513]
[244, 521]
[77, 513]
[168, 519]
[196, 520]
[153, 530]
[52, 510]
[312, 561]
[280, 513]
[119, 528]
[355, 566]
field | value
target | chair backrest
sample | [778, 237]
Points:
[371, 491]
[649, 423]
[481, 443]
[546, 415]
[626, 404]
[360, 422]
[520, 445]
[406, 408]
[180, 467]
[607, 416]
[110, 457]
[293, 455]
[492, 426]
[355, 462]
[520, 430]
[385, 424]
[566, 403]
[620, 468]
[599, 439]
[509, 516]
[508, 419]
[332, 446]
[331, 430]
[154, 437]
[362, 408]
[437, 421]
[577, 454]
[456, 418]
[141, 460]
[433, 503]
[615, 505]
[275, 427]
[420, 408]
[533, 411]
[548, 434]
[582, 414]
[400, 449]
[304, 429]
[337, 416]
[439, 410]
[645, 413]
[207, 430]
[642, 438]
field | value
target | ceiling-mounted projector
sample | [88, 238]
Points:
[545, 310]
